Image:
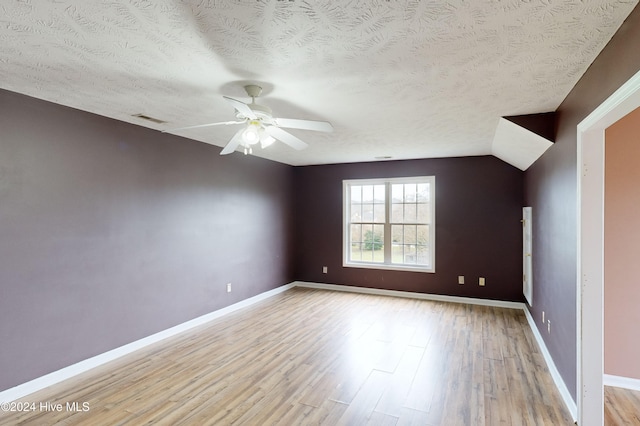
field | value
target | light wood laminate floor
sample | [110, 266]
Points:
[313, 357]
[621, 407]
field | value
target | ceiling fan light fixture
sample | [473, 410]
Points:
[251, 134]
[265, 138]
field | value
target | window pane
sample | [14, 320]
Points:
[379, 194]
[423, 234]
[397, 235]
[374, 239]
[410, 213]
[410, 254]
[356, 253]
[397, 193]
[366, 230]
[423, 213]
[367, 212]
[367, 255]
[378, 243]
[423, 255]
[356, 194]
[356, 233]
[378, 213]
[378, 230]
[373, 244]
[409, 234]
[367, 252]
[410, 193]
[396, 253]
[356, 212]
[423, 193]
[367, 194]
[397, 213]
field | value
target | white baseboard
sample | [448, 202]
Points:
[50, 379]
[411, 295]
[557, 379]
[65, 373]
[621, 382]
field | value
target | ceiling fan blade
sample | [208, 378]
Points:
[234, 143]
[241, 107]
[293, 123]
[203, 125]
[286, 137]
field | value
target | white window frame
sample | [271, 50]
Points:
[387, 265]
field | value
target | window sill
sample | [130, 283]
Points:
[388, 267]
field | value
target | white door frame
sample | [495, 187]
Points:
[527, 252]
[590, 250]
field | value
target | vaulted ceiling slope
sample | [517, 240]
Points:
[401, 78]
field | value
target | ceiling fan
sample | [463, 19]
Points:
[260, 126]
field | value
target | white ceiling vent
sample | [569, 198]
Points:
[147, 118]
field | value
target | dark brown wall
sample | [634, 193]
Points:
[478, 229]
[543, 124]
[110, 232]
[551, 189]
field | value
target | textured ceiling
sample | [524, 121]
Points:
[407, 79]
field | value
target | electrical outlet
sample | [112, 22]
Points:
[325, 269]
[460, 279]
[549, 327]
[228, 287]
[481, 281]
[543, 317]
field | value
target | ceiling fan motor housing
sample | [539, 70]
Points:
[253, 90]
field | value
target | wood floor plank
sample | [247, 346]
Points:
[621, 407]
[328, 413]
[496, 393]
[477, 409]
[315, 357]
[410, 417]
[458, 393]
[319, 390]
[380, 419]
[364, 403]
[394, 398]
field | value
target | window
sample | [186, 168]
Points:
[390, 223]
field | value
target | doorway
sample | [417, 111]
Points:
[590, 265]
